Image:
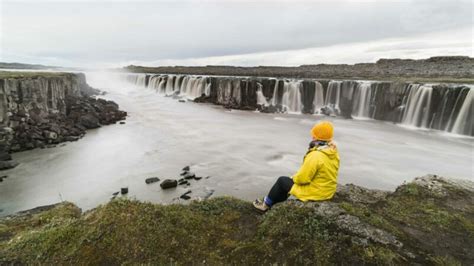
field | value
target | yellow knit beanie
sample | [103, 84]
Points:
[323, 131]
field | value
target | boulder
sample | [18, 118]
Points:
[152, 180]
[89, 121]
[124, 190]
[169, 183]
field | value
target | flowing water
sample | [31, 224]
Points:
[243, 152]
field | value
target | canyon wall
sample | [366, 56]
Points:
[39, 110]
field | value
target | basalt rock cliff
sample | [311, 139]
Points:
[39, 110]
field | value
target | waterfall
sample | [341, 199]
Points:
[141, 80]
[292, 96]
[193, 87]
[207, 90]
[417, 112]
[161, 85]
[447, 107]
[464, 120]
[261, 100]
[333, 95]
[155, 82]
[169, 88]
[361, 106]
[274, 101]
[318, 100]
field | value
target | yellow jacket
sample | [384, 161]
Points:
[317, 177]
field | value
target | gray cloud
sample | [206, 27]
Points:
[112, 32]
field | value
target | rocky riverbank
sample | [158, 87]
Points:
[427, 221]
[39, 110]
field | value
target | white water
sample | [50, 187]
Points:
[465, 114]
[362, 97]
[418, 106]
[243, 152]
[333, 94]
[291, 99]
[261, 100]
[318, 101]
[274, 100]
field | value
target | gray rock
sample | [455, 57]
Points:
[124, 190]
[189, 175]
[4, 165]
[5, 156]
[89, 121]
[183, 182]
[169, 183]
[349, 223]
[353, 193]
[152, 180]
[185, 197]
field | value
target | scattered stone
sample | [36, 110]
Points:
[71, 138]
[89, 121]
[124, 190]
[115, 193]
[189, 175]
[197, 177]
[207, 177]
[181, 101]
[186, 168]
[183, 173]
[122, 123]
[183, 182]
[5, 156]
[4, 165]
[187, 192]
[209, 193]
[152, 180]
[169, 183]
[185, 197]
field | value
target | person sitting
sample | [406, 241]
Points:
[317, 177]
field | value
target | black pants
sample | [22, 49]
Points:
[280, 189]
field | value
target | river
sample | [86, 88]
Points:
[243, 152]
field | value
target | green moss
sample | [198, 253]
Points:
[228, 231]
[371, 217]
[444, 261]
[381, 256]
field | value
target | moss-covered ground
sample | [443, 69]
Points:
[435, 229]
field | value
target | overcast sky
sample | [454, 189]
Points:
[192, 32]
